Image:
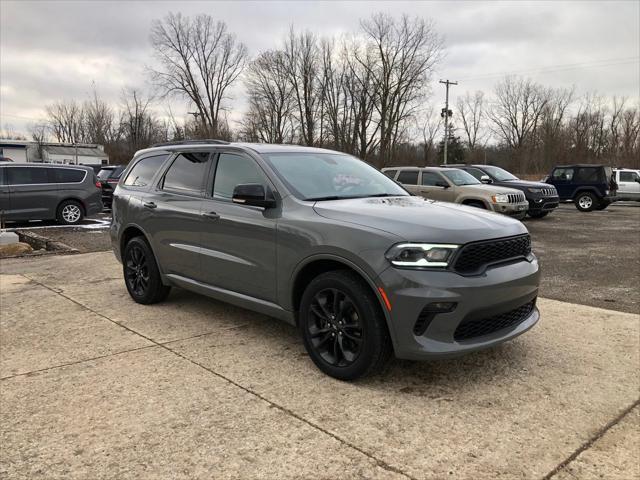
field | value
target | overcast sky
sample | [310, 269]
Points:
[52, 50]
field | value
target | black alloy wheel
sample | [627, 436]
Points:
[136, 271]
[343, 326]
[334, 327]
[141, 274]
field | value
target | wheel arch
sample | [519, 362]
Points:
[470, 200]
[313, 266]
[580, 190]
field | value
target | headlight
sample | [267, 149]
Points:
[421, 254]
[502, 198]
[535, 190]
[606, 192]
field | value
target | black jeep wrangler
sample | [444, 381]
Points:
[590, 187]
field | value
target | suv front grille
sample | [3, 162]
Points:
[549, 192]
[516, 197]
[473, 257]
[478, 328]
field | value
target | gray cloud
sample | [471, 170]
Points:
[53, 50]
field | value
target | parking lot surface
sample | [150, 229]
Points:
[96, 386]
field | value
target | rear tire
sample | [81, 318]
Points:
[585, 201]
[70, 212]
[141, 273]
[343, 327]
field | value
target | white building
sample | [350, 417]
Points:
[23, 151]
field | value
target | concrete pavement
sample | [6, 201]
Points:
[96, 386]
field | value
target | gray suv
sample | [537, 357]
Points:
[325, 242]
[48, 192]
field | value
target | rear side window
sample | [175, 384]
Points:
[408, 177]
[27, 175]
[143, 171]
[565, 174]
[390, 173]
[234, 170]
[187, 173]
[105, 173]
[68, 175]
[588, 174]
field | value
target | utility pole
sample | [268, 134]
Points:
[446, 113]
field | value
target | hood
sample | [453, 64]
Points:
[490, 189]
[522, 184]
[416, 219]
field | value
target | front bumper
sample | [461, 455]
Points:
[515, 210]
[499, 290]
[543, 204]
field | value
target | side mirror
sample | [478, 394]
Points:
[253, 194]
[486, 179]
[638, 180]
[442, 184]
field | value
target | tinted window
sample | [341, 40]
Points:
[233, 170]
[408, 177]
[565, 174]
[628, 176]
[27, 175]
[499, 174]
[588, 174]
[2, 181]
[64, 175]
[430, 179]
[143, 171]
[390, 173]
[475, 172]
[105, 173]
[187, 172]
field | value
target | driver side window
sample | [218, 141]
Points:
[234, 170]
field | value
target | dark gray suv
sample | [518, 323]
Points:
[48, 192]
[326, 242]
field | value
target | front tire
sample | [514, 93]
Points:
[70, 212]
[585, 202]
[343, 327]
[141, 274]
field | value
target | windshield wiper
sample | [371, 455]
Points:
[328, 197]
[337, 197]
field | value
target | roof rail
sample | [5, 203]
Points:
[190, 142]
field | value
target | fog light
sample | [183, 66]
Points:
[441, 307]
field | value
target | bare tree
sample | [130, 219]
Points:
[200, 60]
[406, 52]
[270, 99]
[430, 127]
[66, 121]
[39, 133]
[471, 112]
[138, 125]
[99, 121]
[302, 64]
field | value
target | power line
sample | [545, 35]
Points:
[561, 67]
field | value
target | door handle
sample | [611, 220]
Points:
[211, 215]
[150, 205]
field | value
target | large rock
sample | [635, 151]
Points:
[15, 249]
[7, 238]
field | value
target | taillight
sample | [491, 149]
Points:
[112, 180]
[98, 184]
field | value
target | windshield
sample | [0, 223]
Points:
[331, 176]
[460, 177]
[500, 174]
[105, 173]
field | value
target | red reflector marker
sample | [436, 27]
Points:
[385, 298]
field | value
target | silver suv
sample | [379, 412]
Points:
[325, 242]
[457, 186]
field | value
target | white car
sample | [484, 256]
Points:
[628, 181]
